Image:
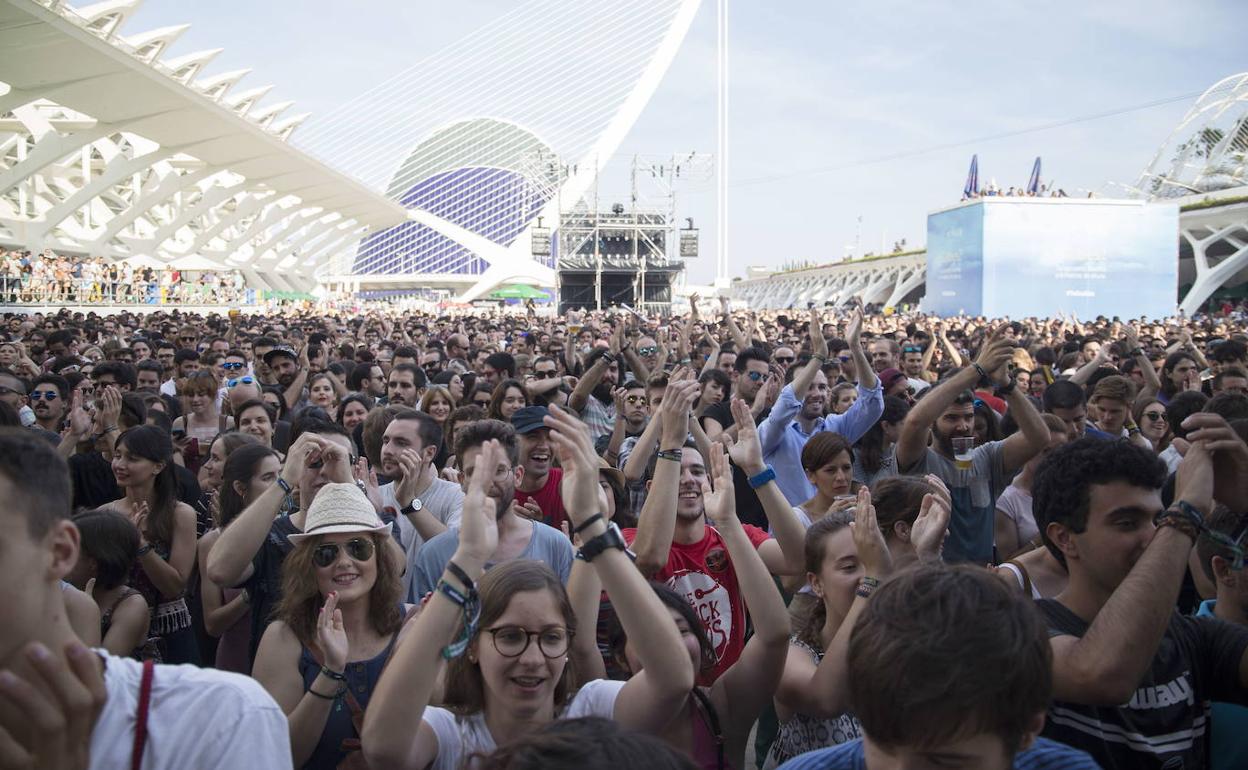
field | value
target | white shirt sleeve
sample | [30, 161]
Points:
[595, 699]
[450, 744]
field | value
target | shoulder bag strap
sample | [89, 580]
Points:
[713, 719]
[140, 723]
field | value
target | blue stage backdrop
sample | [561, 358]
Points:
[1020, 257]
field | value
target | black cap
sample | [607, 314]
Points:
[529, 419]
[280, 350]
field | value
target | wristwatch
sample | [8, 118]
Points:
[612, 538]
[412, 507]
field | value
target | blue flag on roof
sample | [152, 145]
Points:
[1033, 184]
[972, 179]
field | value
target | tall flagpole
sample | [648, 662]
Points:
[721, 142]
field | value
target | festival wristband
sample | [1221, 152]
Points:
[675, 455]
[764, 477]
[458, 573]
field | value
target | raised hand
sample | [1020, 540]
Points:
[582, 496]
[337, 462]
[79, 418]
[138, 517]
[927, 534]
[1230, 457]
[818, 343]
[478, 529]
[995, 354]
[853, 332]
[872, 551]
[674, 412]
[368, 477]
[718, 492]
[1194, 481]
[411, 465]
[305, 451]
[331, 636]
[110, 406]
[747, 451]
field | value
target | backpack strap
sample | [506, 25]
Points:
[140, 722]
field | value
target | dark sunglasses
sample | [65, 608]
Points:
[1155, 415]
[755, 376]
[232, 367]
[784, 359]
[911, 349]
[358, 548]
[649, 350]
[546, 375]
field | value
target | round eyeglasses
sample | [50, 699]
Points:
[512, 641]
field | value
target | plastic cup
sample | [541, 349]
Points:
[963, 449]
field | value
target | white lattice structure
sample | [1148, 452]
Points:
[109, 149]
[562, 77]
[885, 280]
[1203, 161]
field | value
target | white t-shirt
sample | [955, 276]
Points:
[197, 718]
[461, 737]
[443, 499]
[1016, 505]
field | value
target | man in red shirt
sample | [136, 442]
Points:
[675, 544]
[537, 494]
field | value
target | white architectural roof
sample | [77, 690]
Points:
[200, 139]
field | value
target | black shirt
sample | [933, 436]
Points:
[1165, 725]
[95, 485]
[265, 584]
[749, 507]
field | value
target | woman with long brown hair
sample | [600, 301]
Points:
[507, 637]
[143, 468]
[336, 625]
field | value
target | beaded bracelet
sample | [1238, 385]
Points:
[340, 691]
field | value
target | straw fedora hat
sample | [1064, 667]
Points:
[340, 508]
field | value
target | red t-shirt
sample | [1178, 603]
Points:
[548, 499]
[704, 575]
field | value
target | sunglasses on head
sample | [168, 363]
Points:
[358, 548]
[1233, 542]
[246, 379]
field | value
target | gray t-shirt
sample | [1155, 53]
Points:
[443, 499]
[974, 494]
[547, 545]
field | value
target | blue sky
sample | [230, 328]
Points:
[820, 90]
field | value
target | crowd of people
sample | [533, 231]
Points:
[807, 539]
[47, 278]
[993, 191]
